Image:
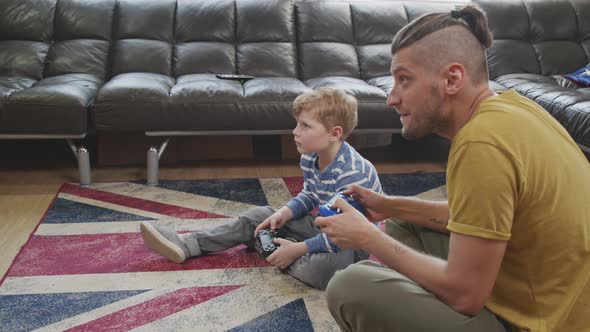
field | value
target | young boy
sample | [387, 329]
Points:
[325, 117]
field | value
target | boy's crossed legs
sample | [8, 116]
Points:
[313, 269]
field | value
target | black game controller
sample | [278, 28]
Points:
[264, 242]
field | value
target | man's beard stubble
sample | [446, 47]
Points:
[430, 118]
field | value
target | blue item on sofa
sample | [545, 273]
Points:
[581, 76]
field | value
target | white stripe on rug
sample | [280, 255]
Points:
[276, 191]
[111, 206]
[134, 280]
[124, 226]
[173, 197]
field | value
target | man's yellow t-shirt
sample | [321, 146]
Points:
[515, 174]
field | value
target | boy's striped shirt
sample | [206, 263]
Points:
[348, 168]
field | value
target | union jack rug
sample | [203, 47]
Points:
[86, 268]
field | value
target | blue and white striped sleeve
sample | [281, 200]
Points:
[321, 243]
[303, 203]
[306, 200]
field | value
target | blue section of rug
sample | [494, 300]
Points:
[290, 317]
[411, 184]
[240, 190]
[32, 311]
[65, 211]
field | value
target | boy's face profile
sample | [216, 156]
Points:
[311, 135]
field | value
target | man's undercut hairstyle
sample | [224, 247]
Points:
[332, 107]
[459, 36]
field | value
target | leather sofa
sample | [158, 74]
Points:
[535, 44]
[73, 67]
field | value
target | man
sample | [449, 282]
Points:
[518, 210]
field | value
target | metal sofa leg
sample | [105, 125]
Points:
[83, 157]
[153, 160]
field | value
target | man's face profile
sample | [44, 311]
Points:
[415, 95]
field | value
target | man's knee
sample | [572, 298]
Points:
[317, 269]
[367, 285]
[340, 289]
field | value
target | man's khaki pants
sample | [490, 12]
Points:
[367, 296]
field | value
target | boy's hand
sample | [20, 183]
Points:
[373, 202]
[276, 220]
[287, 253]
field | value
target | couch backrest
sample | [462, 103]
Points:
[243, 36]
[26, 30]
[53, 37]
[352, 39]
[540, 37]
[183, 37]
[205, 37]
[82, 38]
[42, 38]
[143, 36]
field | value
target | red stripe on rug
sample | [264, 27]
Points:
[138, 203]
[294, 184]
[114, 253]
[152, 310]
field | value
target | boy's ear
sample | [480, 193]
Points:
[336, 133]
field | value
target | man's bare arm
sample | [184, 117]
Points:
[430, 214]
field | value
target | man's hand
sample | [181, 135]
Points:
[350, 229]
[275, 221]
[287, 253]
[374, 203]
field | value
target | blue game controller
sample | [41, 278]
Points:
[326, 210]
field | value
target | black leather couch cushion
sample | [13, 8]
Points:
[535, 44]
[137, 96]
[53, 59]
[133, 102]
[535, 37]
[567, 102]
[375, 24]
[205, 37]
[143, 37]
[204, 102]
[210, 37]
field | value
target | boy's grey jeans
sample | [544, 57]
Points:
[313, 269]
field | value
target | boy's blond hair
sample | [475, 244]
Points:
[332, 107]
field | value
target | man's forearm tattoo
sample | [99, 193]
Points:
[438, 221]
[399, 249]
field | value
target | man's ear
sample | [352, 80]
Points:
[336, 133]
[455, 77]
